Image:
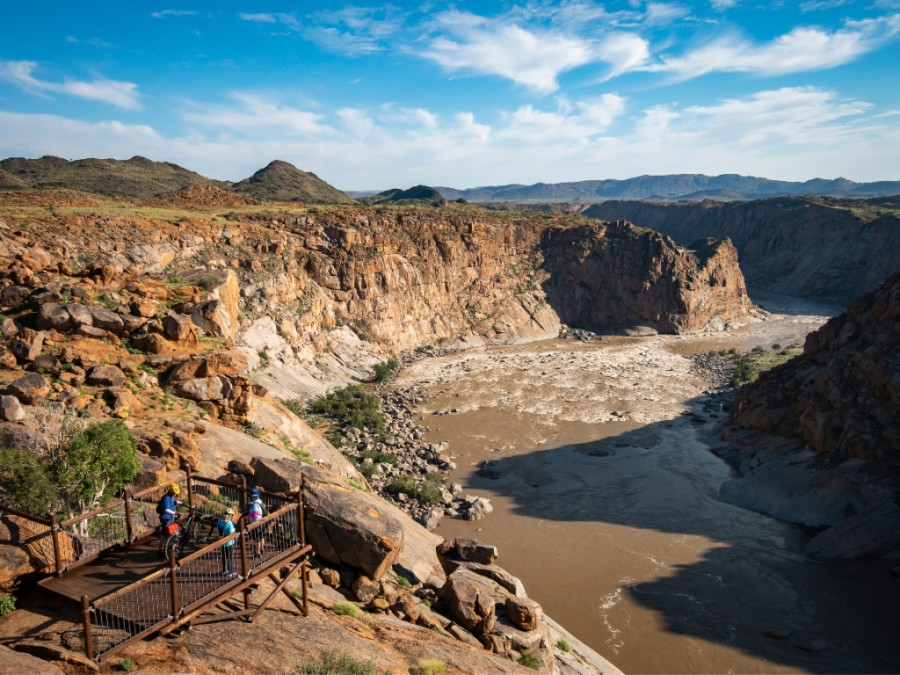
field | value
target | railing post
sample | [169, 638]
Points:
[54, 534]
[245, 572]
[173, 580]
[86, 618]
[129, 525]
[190, 485]
[243, 494]
[301, 527]
[304, 577]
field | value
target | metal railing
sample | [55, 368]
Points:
[196, 580]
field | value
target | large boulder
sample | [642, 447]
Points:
[27, 344]
[107, 320]
[348, 526]
[53, 316]
[10, 409]
[276, 475]
[178, 328]
[16, 663]
[471, 600]
[106, 375]
[29, 388]
[452, 553]
[523, 613]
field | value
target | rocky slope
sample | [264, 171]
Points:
[802, 246]
[283, 182]
[841, 401]
[199, 326]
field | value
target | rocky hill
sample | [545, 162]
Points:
[419, 194]
[135, 177]
[671, 188]
[283, 182]
[840, 400]
[802, 246]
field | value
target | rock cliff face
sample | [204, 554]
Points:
[840, 401]
[842, 395]
[615, 275]
[802, 246]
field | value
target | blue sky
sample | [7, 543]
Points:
[460, 95]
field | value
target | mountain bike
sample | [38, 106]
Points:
[198, 528]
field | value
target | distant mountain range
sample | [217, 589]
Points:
[141, 177]
[675, 187]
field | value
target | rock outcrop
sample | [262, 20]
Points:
[839, 404]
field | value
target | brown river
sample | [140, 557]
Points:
[607, 507]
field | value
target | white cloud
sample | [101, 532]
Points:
[256, 116]
[803, 49]
[288, 20]
[120, 94]
[788, 133]
[172, 12]
[657, 13]
[528, 58]
[623, 51]
[355, 30]
[723, 4]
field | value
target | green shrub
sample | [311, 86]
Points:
[295, 406]
[429, 667]
[127, 665]
[529, 660]
[27, 483]
[208, 281]
[334, 662]
[563, 645]
[349, 407]
[346, 609]
[7, 604]
[405, 484]
[429, 493]
[383, 371]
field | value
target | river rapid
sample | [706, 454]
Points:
[607, 507]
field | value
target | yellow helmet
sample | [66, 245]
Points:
[174, 489]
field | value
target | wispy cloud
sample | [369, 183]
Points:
[355, 30]
[93, 42]
[290, 21]
[803, 49]
[120, 94]
[255, 116]
[723, 4]
[172, 12]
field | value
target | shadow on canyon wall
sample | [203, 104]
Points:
[754, 576]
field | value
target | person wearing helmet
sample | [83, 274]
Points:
[225, 527]
[166, 508]
[256, 510]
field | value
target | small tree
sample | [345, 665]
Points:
[99, 461]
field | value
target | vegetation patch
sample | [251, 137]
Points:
[334, 662]
[383, 371]
[347, 609]
[429, 667]
[749, 365]
[529, 660]
[349, 407]
[7, 604]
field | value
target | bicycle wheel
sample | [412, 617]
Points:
[173, 543]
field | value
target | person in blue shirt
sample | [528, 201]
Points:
[166, 508]
[225, 527]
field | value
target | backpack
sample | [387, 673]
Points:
[262, 509]
[159, 508]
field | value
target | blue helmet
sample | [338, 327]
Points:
[254, 494]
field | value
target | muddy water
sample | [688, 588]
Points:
[607, 508]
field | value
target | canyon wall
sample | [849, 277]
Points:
[802, 246]
[841, 397]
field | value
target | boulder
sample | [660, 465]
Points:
[14, 295]
[88, 352]
[452, 553]
[10, 409]
[29, 388]
[106, 375]
[107, 320]
[154, 344]
[27, 344]
[47, 363]
[523, 613]
[365, 589]
[241, 468]
[330, 577]
[470, 599]
[123, 402]
[8, 360]
[276, 475]
[204, 389]
[16, 663]
[180, 329]
[52, 316]
[478, 508]
[348, 526]
[144, 307]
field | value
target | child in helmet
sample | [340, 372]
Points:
[166, 508]
[225, 527]
[255, 511]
